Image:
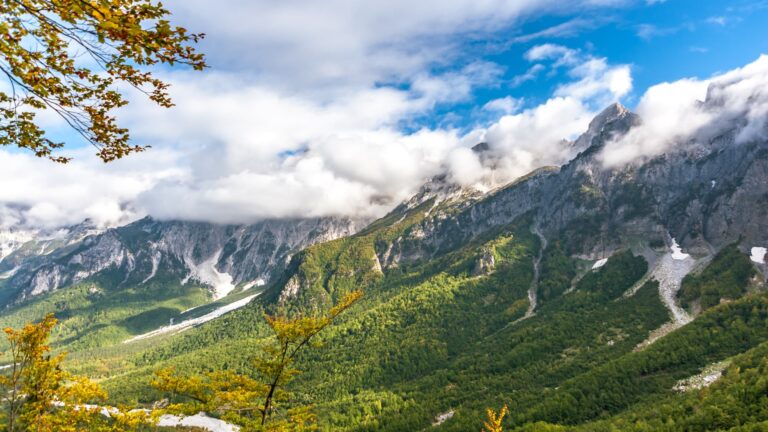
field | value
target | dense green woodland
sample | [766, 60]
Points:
[727, 278]
[437, 336]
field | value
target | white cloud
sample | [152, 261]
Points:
[673, 113]
[465, 166]
[529, 75]
[505, 105]
[303, 114]
[597, 79]
[563, 56]
[669, 113]
[37, 193]
[566, 29]
[534, 137]
[594, 79]
[250, 152]
[650, 31]
[324, 47]
[456, 86]
[718, 20]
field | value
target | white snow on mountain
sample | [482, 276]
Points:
[176, 328]
[677, 251]
[207, 273]
[758, 254]
[12, 240]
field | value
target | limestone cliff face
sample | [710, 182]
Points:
[216, 255]
[705, 195]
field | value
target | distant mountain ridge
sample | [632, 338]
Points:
[220, 256]
[581, 293]
[705, 196]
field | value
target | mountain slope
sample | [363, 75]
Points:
[110, 286]
[215, 255]
[447, 328]
[558, 294]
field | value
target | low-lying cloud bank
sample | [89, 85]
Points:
[694, 111]
[236, 153]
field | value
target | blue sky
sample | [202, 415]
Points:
[661, 41]
[346, 107]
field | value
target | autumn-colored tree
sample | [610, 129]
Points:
[493, 424]
[69, 55]
[254, 402]
[41, 396]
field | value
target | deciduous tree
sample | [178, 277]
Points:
[255, 402]
[41, 396]
[493, 424]
[68, 56]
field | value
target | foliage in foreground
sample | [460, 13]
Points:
[121, 38]
[255, 402]
[493, 424]
[41, 396]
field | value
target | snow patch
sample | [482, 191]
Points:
[207, 273]
[677, 251]
[155, 264]
[254, 283]
[9, 273]
[199, 420]
[599, 263]
[758, 255]
[175, 328]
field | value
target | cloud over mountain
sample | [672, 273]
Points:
[690, 110]
[318, 109]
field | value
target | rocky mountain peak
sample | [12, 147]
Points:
[613, 121]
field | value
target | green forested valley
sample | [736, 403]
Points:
[434, 343]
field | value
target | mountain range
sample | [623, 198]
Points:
[586, 296]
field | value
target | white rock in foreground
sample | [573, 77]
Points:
[599, 263]
[758, 255]
[198, 420]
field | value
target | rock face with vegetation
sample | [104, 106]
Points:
[706, 196]
[219, 256]
[559, 294]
